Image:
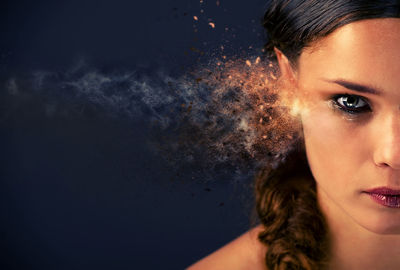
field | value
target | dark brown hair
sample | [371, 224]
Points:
[294, 228]
[295, 231]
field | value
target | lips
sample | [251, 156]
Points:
[385, 196]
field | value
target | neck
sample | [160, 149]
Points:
[354, 247]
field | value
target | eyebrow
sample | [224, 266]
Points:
[356, 87]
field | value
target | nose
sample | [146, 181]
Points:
[387, 151]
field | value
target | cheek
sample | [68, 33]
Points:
[333, 148]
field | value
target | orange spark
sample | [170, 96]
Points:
[195, 18]
[212, 24]
[248, 63]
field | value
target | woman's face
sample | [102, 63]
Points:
[351, 82]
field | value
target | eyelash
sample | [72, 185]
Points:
[357, 111]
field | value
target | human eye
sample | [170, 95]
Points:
[351, 104]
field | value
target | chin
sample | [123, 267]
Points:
[386, 224]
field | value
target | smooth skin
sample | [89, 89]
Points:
[349, 149]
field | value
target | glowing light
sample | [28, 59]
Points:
[195, 18]
[295, 108]
[211, 24]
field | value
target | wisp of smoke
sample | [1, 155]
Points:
[231, 114]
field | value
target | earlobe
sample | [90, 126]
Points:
[285, 67]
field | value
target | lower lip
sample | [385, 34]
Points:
[386, 200]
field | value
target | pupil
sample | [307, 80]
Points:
[351, 101]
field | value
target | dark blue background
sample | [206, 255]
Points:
[88, 192]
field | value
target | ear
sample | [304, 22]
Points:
[287, 72]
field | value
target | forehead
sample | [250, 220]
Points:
[366, 51]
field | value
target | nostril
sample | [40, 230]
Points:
[383, 165]
[388, 165]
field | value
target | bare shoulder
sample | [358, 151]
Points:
[245, 252]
